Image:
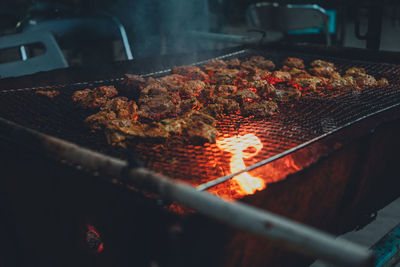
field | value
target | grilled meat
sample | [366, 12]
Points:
[122, 107]
[283, 76]
[190, 72]
[264, 89]
[327, 72]
[225, 90]
[96, 122]
[294, 62]
[318, 63]
[191, 88]
[48, 93]
[285, 93]
[310, 83]
[258, 62]
[245, 95]
[157, 107]
[89, 99]
[233, 63]
[346, 83]
[260, 109]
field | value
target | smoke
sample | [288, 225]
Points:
[161, 26]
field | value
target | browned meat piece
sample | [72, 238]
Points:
[382, 82]
[318, 63]
[172, 82]
[229, 105]
[355, 71]
[153, 89]
[285, 93]
[282, 75]
[264, 88]
[118, 132]
[297, 73]
[309, 83]
[345, 83]
[132, 85]
[260, 109]
[157, 107]
[294, 62]
[190, 104]
[96, 122]
[190, 72]
[48, 93]
[244, 95]
[225, 76]
[195, 127]
[122, 107]
[260, 74]
[191, 89]
[365, 81]
[215, 64]
[213, 110]
[94, 98]
[258, 62]
[225, 90]
[233, 63]
[327, 72]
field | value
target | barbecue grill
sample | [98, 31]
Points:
[320, 157]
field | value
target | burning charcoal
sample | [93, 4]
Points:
[294, 62]
[190, 72]
[260, 109]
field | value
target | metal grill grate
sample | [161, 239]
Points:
[297, 122]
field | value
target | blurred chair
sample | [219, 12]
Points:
[77, 30]
[285, 18]
[52, 58]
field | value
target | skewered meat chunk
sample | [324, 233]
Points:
[190, 72]
[318, 63]
[48, 93]
[96, 122]
[294, 62]
[157, 107]
[119, 131]
[283, 76]
[95, 98]
[310, 83]
[260, 109]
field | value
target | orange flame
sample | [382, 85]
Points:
[239, 146]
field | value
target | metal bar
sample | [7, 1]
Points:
[24, 56]
[222, 179]
[229, 38]
[292, 235]
[387, 249]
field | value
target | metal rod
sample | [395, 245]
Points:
[225, 178]
[228, 38]
[289, 234]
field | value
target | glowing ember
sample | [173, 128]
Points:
[243, 147]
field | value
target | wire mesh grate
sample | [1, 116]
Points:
[296, 123]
